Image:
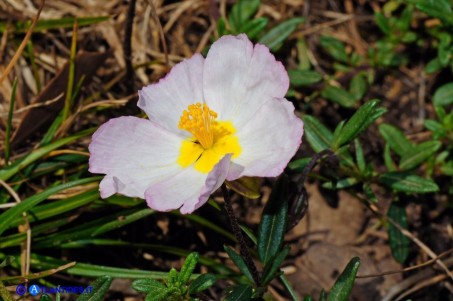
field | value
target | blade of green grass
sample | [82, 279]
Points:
[11, 214]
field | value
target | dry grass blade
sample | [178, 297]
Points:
[23, 44]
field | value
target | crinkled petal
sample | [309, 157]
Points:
[268, 141]
[165, 101]
[238, 78]
[133, 153]
[187, 190]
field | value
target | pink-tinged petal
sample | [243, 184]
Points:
[165, 101]
[133, 153]
[269, 140]
[238, 78]
[187, 190]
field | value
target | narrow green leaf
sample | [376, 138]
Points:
[419, 154]
[100, 288]
[239, 262]
[171, 293]
[19, 164]
[187, 268]
[241, 292]
[357, 87]
[242, 11]
[406, 182]
[343, 286]
[339, 96]
[395, 139]
[147, 285]
[202, 283]
[8, 216]
[289, 288]
[299, 165]
[359, 157]
[318, 136]
[335, 48]
[124, 220]
[273, 222]
[355, 125]
[273, 265]
[275, 37]
[56, 208]
[304, 77]
[382, 22]
[399, 243]
[443, 95]
[391, 166]
[254, 27]
[308, 298]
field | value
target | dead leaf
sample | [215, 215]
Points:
[40, 117]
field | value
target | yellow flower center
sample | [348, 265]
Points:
[211, 139]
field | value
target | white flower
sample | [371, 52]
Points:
[210, 119]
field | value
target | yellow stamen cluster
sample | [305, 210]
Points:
[200, 121]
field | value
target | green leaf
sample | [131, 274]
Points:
[419, 154]
[356, 124]
[100, 288]
[382, 22]
[433, 65]
[406, 182]
[242, 11]
[171, 293]
[303, 54]
[273, 222]
[338, 95]
[443, 95]
[202, 283]
[444, 50]
[12, 213]
[275, 37]
[357, 88]
[19, 164]
[343, 286]
[273, 265]
[299, 165]
[308, 298]
[359, 157]
[147, 286]
[335, 48]
[239, 262]
[124, 220]
[242, 292]
[254, 27]
[318, 136]
[399, 243]
[395, 139]
[187, 269]
[303, 77]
